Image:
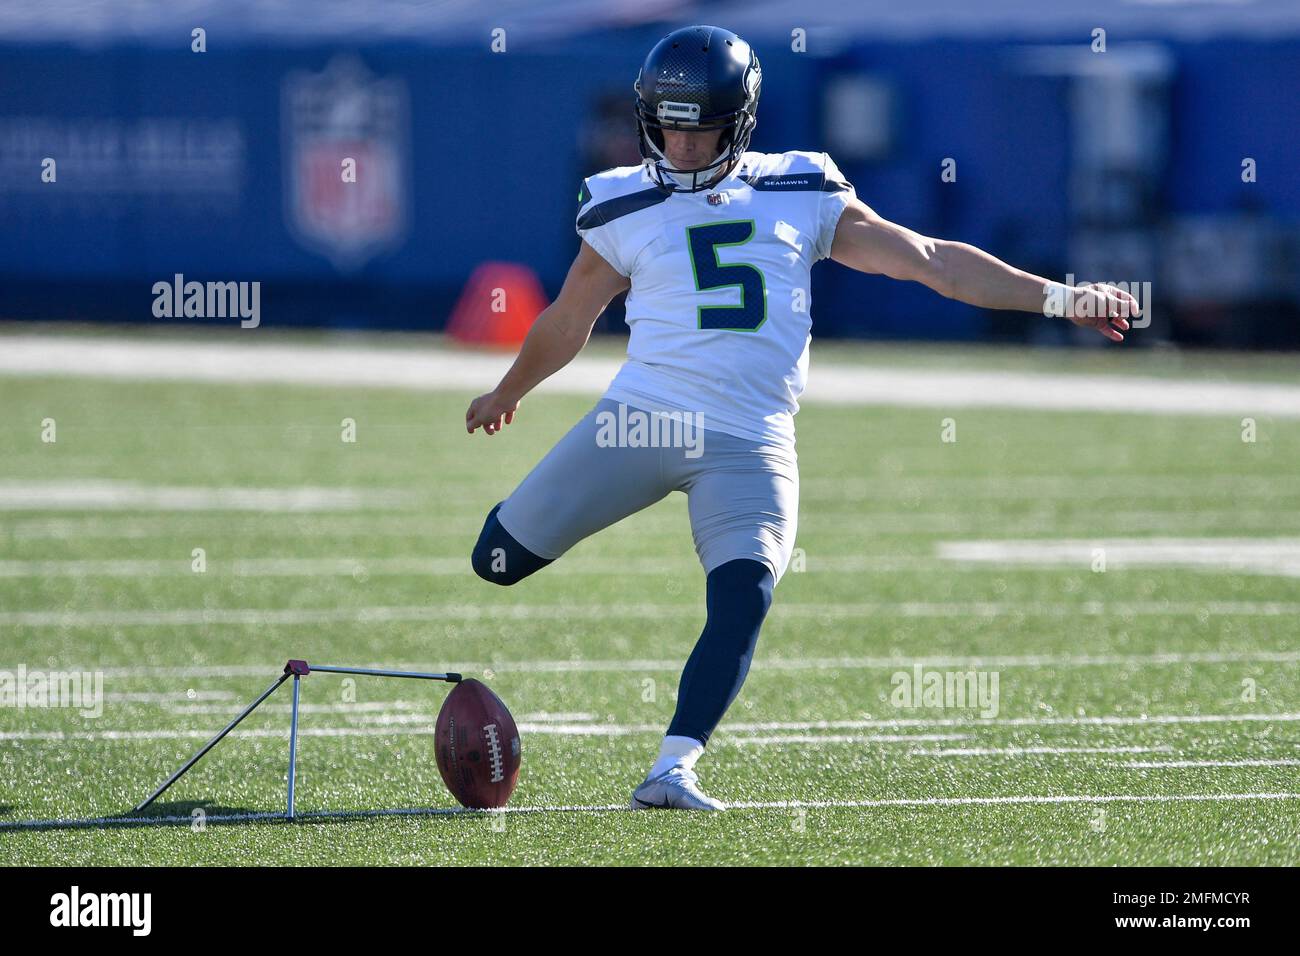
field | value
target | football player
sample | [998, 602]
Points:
[715, 244]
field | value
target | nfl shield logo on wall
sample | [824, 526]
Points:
[346, 161]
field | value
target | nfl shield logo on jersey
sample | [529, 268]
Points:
[346, 161]
[716, 199]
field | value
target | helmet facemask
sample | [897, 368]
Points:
[737, 128]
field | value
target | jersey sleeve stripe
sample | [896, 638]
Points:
[606, 212]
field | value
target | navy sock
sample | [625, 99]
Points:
[499, 558]
[738, 596]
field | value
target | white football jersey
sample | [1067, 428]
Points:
[720, 303]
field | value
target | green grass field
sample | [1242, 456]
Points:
[1174, 685]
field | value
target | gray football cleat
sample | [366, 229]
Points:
[675, 789]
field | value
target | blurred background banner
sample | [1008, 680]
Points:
[1141, 142]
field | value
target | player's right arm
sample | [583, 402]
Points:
[869, 243]
[556, 337]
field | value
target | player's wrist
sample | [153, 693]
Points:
[507, 395]
[1058, 300]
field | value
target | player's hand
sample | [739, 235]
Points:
[1095, 305]
[490, 411]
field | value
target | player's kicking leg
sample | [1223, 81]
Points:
[744, 505]
[579, 488]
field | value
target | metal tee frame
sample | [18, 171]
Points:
[297, 670]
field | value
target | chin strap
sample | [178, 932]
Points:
[663, 173]
[686, 180]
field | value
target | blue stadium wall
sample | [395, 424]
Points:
[490, 162]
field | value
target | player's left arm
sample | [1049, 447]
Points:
[956, 270]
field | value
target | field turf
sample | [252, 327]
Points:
[1146, 715]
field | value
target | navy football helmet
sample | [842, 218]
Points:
[697, 78]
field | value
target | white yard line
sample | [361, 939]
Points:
[1280, 556]
[247, 567]
[248, 733]
[532, 613]
[403, 726]
[954, 490]
[453, 535]
[422, 708]
[917, 802]
[995, 661]
[1033, 751]
[346, 363]
[822, 739]
[175, 698]
[1182, 764]
[665, 517]
[1234, 485]
[421, 566]
[104, 495]
[421, 725]
[1103, 720]
[637, 665]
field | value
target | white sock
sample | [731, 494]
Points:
[676, 752]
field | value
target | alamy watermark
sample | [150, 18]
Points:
[635, 428]
[1060, 297]
[74, 908]
[77, 689]
[179, 299]
[945, 690]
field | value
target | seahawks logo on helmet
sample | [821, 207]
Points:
[697, 78]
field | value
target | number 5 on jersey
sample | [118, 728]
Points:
[710, 274]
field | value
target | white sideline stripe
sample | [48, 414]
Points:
[618, 807]
[573, 717]
[1106, 720]
[405, 725]
[836, 739]
[1279, 556]
[928, 489]
[175, 697]
[325, 524]
[771, 664]
[242, 567]
[189, 617]
[1259, 555]
[436, 567]
[1031, 751]
[620, 730]
[1023, 660]
[364, 709]
[303, 363]
[102, 495]
[349, 363]
[1235, 485]
[420, 725]
[362, 568]
[248, 733]
[967, 521]
[1177, 764]
[665, 518]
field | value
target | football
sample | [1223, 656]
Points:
[478, 746]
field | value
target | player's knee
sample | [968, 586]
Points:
[491, 564]
[491, 557]
[742, 589]
[499, 558]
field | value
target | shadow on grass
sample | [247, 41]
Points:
[182, 814]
